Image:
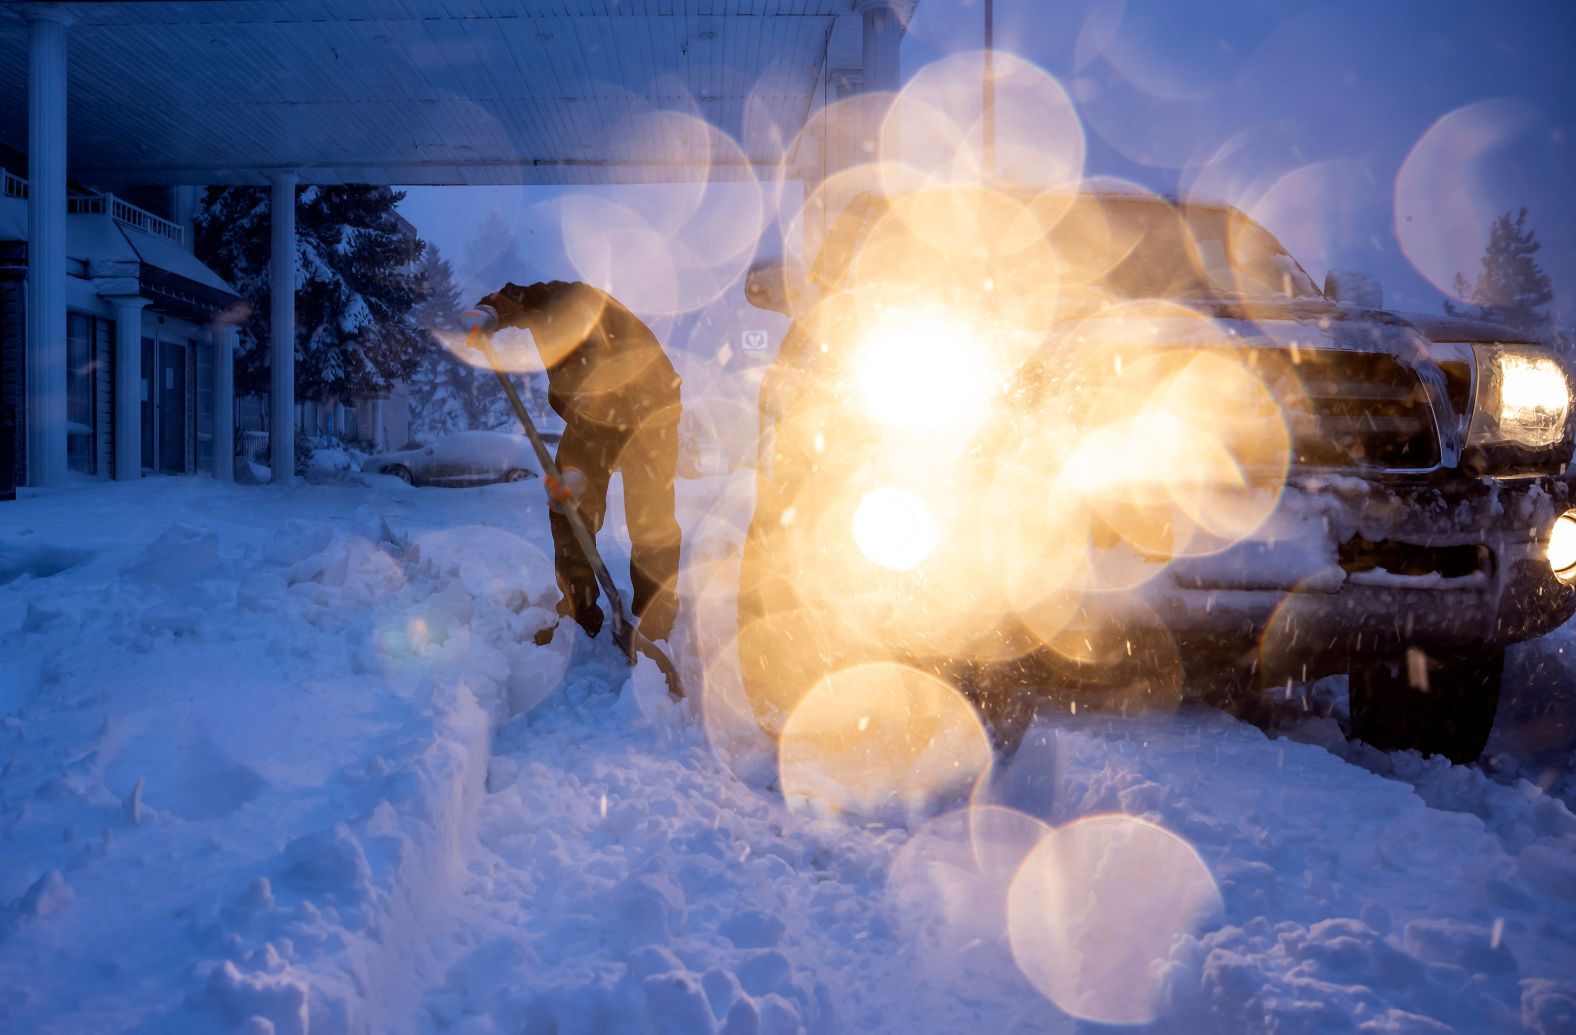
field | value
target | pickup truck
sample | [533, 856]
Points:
[1123, 447]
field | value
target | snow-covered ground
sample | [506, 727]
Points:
[288, 760]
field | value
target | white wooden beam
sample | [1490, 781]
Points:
[883, 36]
[281, 355]
[46, 245]
[224, 341]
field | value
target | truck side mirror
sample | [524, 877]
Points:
[1361, 289]
[773, 284]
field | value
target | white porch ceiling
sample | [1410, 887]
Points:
[428, 91]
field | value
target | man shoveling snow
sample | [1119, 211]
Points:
[618, 394]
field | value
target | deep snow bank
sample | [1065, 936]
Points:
[244, 748]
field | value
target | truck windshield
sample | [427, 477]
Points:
[1142, 248]
[1129, 247]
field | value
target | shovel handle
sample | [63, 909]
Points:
[623, 628]
[625, 634]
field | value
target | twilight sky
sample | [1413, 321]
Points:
[1375, 136]
[1314, 108]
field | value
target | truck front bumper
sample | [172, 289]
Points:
[1348, 567]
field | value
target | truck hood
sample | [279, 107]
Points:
[1463, 329]
[1287, 324]
[1278, 323]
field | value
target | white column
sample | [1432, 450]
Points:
[128, 387]
[183, 210]
[281, 354]
[224, 339]
[46, 246]
[883, 35]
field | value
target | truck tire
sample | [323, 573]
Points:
[1451, 716]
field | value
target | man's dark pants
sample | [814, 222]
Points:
[648, 458]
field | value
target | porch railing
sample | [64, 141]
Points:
[95, 203]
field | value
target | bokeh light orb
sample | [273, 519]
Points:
[1096, 909]
[894, 528]
[881, 740]
[923, 373]
[948, 888]
[1444, 200]
[1039, 136]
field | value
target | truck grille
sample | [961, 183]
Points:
[1351, 409]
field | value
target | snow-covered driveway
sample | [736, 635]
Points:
[287, 760]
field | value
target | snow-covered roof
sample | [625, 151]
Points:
[99, 239]
[431, 91]
[166, 255]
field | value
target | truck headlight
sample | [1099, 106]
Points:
[894, 528]
[1523, 399]
[924, 373]
[1562, 546]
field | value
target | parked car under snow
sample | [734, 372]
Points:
[465, 458]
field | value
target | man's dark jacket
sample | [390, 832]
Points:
[603, 364]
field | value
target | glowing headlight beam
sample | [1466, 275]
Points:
[1532, 390]
[894, 528]
[1562, 546]
[916, 376]
[1527, 400]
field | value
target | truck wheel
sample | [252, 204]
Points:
[1450, 715]
[1007, 695]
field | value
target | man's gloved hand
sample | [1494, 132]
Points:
[505, 306]
[566, 489]
[483, 318]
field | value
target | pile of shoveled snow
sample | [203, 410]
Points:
[288, 760]
[244, 751]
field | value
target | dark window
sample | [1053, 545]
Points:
[171, 394]
[149, 349]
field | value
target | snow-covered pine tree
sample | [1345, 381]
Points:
[447, 394]
[357, 283]
[1512, 289]
[495, 257]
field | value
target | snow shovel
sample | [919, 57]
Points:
[625, 634]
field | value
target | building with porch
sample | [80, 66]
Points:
[130, 94]
[145, 364]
